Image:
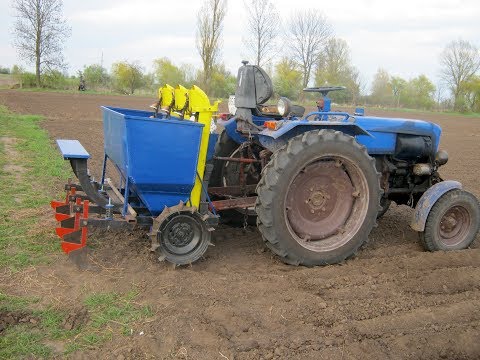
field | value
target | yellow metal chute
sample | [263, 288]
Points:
[188, 103]
[199, 106]
[166, 95]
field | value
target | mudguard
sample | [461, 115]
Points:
[428, 199]
[231, 128]
[275, 139]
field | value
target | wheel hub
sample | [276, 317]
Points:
[320, 200]
[180, 233]
[453, 225]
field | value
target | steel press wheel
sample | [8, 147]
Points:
[318, 198]
[453, 222]
[183, 238]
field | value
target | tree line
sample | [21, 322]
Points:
[297, 52]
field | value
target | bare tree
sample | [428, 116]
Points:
[263, 27]
[209, 30]
[39, 33]
[309, 31]
[460, 61]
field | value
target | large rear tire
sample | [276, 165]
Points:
[318, 198]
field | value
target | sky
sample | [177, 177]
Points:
[403, 37]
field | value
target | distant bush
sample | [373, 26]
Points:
[54, 80]
[28, 79]
[4, 70]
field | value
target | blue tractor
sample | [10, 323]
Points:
[324, 178]
[314, 184]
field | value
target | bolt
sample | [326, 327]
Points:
[323, 208]
[312, 211]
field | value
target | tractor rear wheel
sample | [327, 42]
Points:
[318, 198]
[453, 222]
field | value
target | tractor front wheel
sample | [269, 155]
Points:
[318, 198]
[453, 222]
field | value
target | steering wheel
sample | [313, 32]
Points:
[324, 90]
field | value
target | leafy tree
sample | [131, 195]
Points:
[421, 92]
[209, 31]
[95, 76]
[54, 79]
[39, 33]
[398, 86]
[472, 93]
[309, 31]
[263, 28]
[288, 79]
[167, 73]
[223, 83]
[17, 72]
[381, 88]
[460, 60]
[149, 82]
[127, 76]
[4, 70]
[334, 68]
[190, 74]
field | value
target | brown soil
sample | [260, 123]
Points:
[393, 300]
[11, 318]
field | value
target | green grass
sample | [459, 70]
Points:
[110, 314]
[29, 169]
[26, 339]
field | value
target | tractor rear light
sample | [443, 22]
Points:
[223, 116]
[273, 125]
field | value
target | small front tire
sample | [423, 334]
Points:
[453, 222]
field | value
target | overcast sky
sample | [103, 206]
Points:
[404, 37]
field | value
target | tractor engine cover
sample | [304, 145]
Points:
[413, 147]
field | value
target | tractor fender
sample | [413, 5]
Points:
[275, 139]
[231, 129]
[428, 199]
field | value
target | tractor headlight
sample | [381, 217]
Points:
[284, 106]
[232, 109]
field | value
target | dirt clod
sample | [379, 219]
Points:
[11, 318]
[75, 318]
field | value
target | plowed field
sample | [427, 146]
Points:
[392, 301]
